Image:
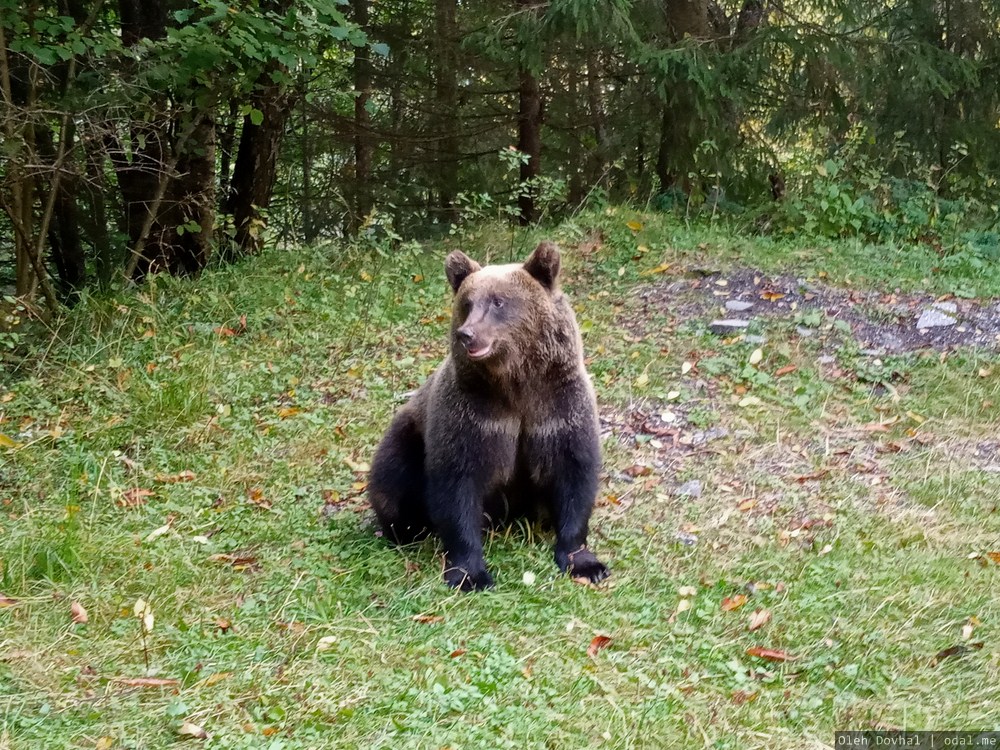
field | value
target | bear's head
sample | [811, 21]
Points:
[502, 313]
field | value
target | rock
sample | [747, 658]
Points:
[804, 332]
[686, 538]
[700, 437]
[738, 305]
[754, 339]
[825, 359]
[728, 327]
[938, 315]
[892, 343]
[690, 489]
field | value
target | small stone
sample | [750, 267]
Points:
[825, 359]
[728, 327]
[754, 339]
[700, 437]
[686, 538]
[738, 305]
[892, 343]
[804, 332]
[938, 315]
[690, 489]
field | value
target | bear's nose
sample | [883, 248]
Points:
[464, 335]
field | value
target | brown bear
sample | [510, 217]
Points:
[505, 426]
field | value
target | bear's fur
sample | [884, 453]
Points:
[506, 424]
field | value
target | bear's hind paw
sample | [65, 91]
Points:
[462, 579]
[583, 564]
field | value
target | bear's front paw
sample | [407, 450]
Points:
[582, 564]
[476, 579]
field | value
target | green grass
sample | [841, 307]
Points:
[287, 624]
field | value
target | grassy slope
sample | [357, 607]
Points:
[856, 541]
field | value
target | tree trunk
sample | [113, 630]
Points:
[685, 18]
[256, 166]
[193, 200]
[446, 96]
[575, 165]
[362, 122]
[529, 142]
[226, 141]
[65, 243]
[598, 118]
[309, 229]
[96, 223]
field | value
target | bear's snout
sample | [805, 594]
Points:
[476, 347]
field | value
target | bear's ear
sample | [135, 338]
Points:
[457, 266]
[544, 264]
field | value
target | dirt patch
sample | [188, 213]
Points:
[880, 322]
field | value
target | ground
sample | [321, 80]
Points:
[801, 517]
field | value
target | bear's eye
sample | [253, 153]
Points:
[498, 302]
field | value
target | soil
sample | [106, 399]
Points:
[881, 322]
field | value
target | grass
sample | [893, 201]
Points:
[854, 503]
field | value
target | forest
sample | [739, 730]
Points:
[165, 135]
[228, 262]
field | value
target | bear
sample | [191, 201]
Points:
[506, 426]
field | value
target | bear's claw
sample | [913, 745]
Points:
[583, 564]
[463, 580]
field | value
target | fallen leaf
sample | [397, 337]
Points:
[770, 654]
[879, 426]
[146, 681]
[240, 560]
[759, 619]
[158, 532]
[212, 679]
[223, 624]
[326, 642]
[457, 653]
[144, 613]
[732, 603]
[6, 601]
[816, 475]
[599, 642]
[104, 743]
[288, 411]
[78, 613]
[635, 226]
[747, 504]
[742, 696]
[662, 268]
[192, 730]
[687, 591]
[770, 295]
[954, 652]
[683, 605]
[750, 401]
[134, 497]
[8, 442]
[756, 356]
[256, 496]
[638, 470]
[780, 372]
[994, 556]
[428, 619]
